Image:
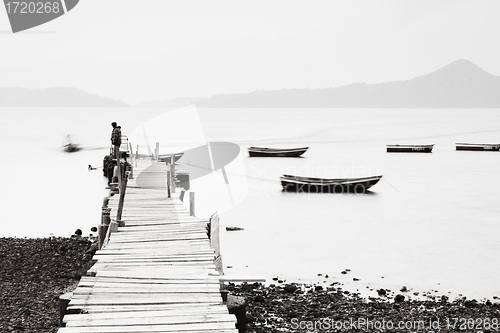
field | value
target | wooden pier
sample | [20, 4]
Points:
[155, 271]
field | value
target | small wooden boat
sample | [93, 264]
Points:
[410, 148]
[168, 157]
[69, 146]
[478, 146]
[326, 185]
[276, 152]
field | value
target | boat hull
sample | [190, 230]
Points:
[167, 157]
[477, 147]
[409, 148]
[272, 152]
[318, 185]
[71, 148]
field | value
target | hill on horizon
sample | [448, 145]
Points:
[460, 84]
[53, 97]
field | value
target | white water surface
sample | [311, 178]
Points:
[431, 223]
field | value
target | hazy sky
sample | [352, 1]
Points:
[161, 49]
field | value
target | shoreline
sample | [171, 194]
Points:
[368, 289]
[307, 308]
[368, 284]
[34, 272]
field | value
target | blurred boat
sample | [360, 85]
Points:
[410, 148]
[478, 146]
[276, 152]
[326, 185]
[69, 146]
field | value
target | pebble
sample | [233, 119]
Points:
[309, 307]
[37, 271]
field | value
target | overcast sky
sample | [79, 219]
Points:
[161, 49]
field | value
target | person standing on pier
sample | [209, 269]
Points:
[116, 140]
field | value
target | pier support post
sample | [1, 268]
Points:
[106, 212]
[215, 242]
[103, 230]
[113, 226]
[64, 300]
[238, 306]
[123, 187]
[169, 180]
[172, 174]
[191, 203]
[105, 221]
[132, 158]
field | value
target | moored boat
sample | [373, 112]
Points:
[410, 148]
[276, 152]
[327, 185]
[168, 157]
[478, 146]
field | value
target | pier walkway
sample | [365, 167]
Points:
[156, 273]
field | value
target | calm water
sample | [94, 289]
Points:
[432, 222]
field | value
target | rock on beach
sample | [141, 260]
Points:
[279, 310]
[34, 272]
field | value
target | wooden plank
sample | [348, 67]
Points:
[179, 252]
[151, 221]
[104, 309]
[160, 244]
[152, 252]
[159, 258]
[168, 263]
[177, 311]
[156, 320]
[149, 299]
[164, 227]
[151, 275]
[201, 280]
[154, 268]
[143, 292]
[191, 328]
[165, 245]
[173, 268]
[186, 327]
[183, 236]
[199, 242]
[145, 288]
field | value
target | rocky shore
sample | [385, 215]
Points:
[33, 274]
[309, 308]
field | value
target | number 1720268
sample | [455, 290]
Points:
[32, 7]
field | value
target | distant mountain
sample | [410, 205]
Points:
[170, 103]
[460, 84]
[53, 97]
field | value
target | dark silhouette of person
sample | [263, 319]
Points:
[116, 140]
